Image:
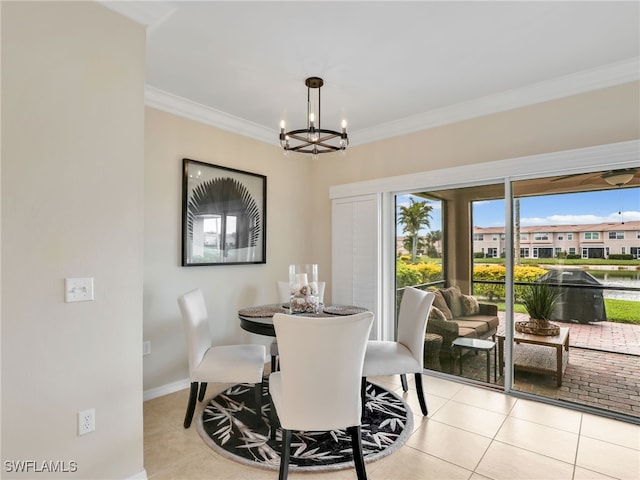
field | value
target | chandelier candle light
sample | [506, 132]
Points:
[303, 283]
[314, 139]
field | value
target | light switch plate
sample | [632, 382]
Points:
[78, 289]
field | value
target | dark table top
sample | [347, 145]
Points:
[259, 319]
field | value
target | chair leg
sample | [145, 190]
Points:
[363, 396]
[403, 380]
[284, 454]
[420, 392]
[191, 406]
[203, 389]
[358, 457]
[258, 399]
[273, 417]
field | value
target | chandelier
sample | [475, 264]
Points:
[314, 139]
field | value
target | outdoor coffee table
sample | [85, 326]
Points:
[537, 356]
[477, 345]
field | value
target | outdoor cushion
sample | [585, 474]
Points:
[491, 321]
[470, 305]
[453, 297]
[436, 314]
[479, 327]
[441, 304]
[467, 332]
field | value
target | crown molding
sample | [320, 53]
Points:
[581, 82]
[183, 107]
[149, 14]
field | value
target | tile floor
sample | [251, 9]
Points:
[471, 433]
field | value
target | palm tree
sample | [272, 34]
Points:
[414, 217]
[432, 239]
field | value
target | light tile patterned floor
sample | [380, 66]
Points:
[470, 434]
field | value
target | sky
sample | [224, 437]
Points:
[614, 205]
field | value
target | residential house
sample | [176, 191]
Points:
[549, 241]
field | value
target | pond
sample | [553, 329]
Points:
[619, 278]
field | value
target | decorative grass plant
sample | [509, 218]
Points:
[539, 299]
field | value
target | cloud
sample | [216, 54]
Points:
[626, 216]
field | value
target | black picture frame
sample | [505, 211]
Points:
[222, 203]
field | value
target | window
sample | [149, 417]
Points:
[572, 250]
[557, 252]
[616, 235]
[478, 237]
[524, 237]
[492, 252]
[560, 236]
[569, 236]
[495, 237]
[541, 236]
[623, 251]
[592, 235]
[524, 253]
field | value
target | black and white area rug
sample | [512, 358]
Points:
[229, 425]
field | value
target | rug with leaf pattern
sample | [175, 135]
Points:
[228, 423]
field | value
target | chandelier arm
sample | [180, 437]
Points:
[315, 149]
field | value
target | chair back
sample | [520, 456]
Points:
[196, 326]
[284, 291]
[412, 320]
[321, 369]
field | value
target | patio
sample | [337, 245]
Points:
[603, 369]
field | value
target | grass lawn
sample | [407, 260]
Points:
[620, 311]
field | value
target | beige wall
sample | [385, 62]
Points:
[72, 180]
[290, 198]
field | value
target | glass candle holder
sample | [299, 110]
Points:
[303, 283]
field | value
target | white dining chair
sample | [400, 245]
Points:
[312, 395]
[221, 364]
[406, 355]
[284, 296]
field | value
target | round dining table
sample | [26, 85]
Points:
[259, 319]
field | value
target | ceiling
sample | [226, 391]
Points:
[389, 68]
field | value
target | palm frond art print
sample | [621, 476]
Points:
[223, 215]
[226, 197]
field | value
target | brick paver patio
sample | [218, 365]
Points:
[603, 369]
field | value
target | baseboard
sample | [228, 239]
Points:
[165, 389]
[139, 476]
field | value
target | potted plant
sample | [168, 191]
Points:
[539, 299]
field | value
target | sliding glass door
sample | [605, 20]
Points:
[576, 235]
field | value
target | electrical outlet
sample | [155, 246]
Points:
[146, 348]
[86, 421]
